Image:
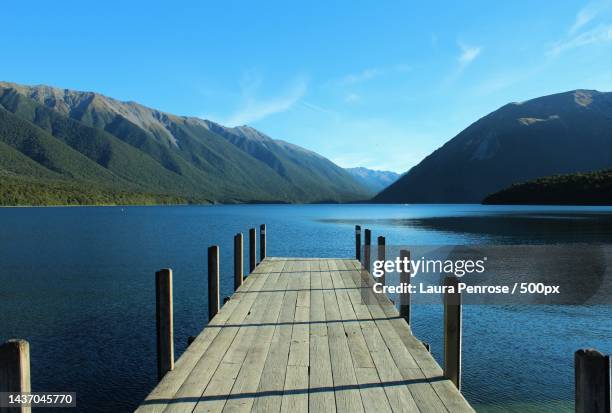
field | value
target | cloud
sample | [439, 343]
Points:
[599, 34]
[253, 109]
[370, 73]
[352, 98]
[468, 54]
[317, 108]
[588, 13]
[362, 76]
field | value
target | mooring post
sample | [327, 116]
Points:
[165, 323]
[213, 281]
[366, 249]
[15, 371]
[262, 242]
[252, 248]
[592, 371]
[405, 282]
[452, 332]
[358, 242]
[381, 257]
[238, 258]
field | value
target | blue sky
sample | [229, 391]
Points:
[375, 84]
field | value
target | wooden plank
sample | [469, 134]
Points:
[423, 395]
[192, 388]
[157, 400]
[447, 393]
[390, 377]
[220, 386]
[272, 383]
[295, 392]
[299, 348]
[348, 397]
[320, 360]
[245, 389]
[370, 387]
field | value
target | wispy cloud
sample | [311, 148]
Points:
[317, 108]
[468, 54]
[588, 13]
[601, 33]
[369, 74]
[360, 77]
[254, 108]
[579, 35]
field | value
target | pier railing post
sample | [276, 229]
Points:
[165, 323]
[252, 248]
[262, 242]
[15, 371]
[405, 282]
[238, 258]
[452, 333]
[358, 242]
[366, 249]
[213, 281]
[381, 257]
[592, 371]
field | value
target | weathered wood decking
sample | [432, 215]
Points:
[297, 336]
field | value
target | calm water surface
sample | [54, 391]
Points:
[78, 283]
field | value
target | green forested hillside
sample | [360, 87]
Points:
[89, 141]
[594, 188]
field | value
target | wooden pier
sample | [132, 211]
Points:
[298, 336]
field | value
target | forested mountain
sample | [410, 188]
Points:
[87, 143]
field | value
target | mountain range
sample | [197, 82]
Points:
[372, 179]
[557, 134]
[84, 144]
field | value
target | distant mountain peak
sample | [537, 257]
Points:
[374, 179]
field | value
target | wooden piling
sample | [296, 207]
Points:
[358, 242]
[238, 264]
[262, 242]
[252, 248]
[165, 322]
[381, 257]
[366, 249]
[452, 333]
[405, 279]
[592, 372]
[15, 371]
[213, 281]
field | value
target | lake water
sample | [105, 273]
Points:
[78, 283]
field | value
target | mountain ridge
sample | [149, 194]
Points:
[566, 132]
[150, 151]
